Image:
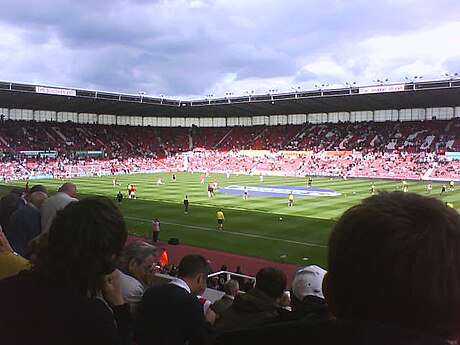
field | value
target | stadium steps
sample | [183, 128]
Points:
[223, 138]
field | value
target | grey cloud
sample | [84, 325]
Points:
[131, 45]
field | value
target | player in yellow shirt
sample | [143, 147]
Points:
[291, 200]
[220, 219]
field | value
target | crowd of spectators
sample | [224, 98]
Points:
[399, 150]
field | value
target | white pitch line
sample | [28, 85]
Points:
[235, 233]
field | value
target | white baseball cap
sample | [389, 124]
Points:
[308, 281]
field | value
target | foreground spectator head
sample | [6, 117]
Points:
[84, 242]
[139, 258]
[395, 259]
[272, 281]
[194, 270]
[308, 281]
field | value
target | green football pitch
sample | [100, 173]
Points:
[262, 227]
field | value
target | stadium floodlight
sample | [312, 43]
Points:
[142, 94]
[350, 84]
[249, 93]
[270, 93]
[381, 81]
[208, 97]
[413, 79]
[320, 86]
[296, 90]
[228, 95]
[451, 76]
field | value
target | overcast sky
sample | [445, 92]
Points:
[191, 48]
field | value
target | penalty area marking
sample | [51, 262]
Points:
[235, 233]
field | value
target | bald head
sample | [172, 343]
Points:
[69, 188]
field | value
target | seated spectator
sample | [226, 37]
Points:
[257, 307]
[139, 259]
[66, 194]
[231, 288]
[25, 223]
[307, 298]
[72, 293]
[10, 203]
[223, 277]
[393, 278]
[171, 314]
[10, 262]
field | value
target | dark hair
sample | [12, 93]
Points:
[272, 281]
[84, 241]
[9, 203]
[191, 265]
[38, 188]
[395, 258]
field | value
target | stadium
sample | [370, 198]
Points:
[268, 186]
[344, 139]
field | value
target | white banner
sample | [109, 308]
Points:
[382, 88]
[55, 91]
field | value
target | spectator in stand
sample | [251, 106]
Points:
[393, 278]
[259, 306]
[66, 194]
[136, 274]
[231, 288]
[10, 203]
[171, 314]
[25, 223]
[72, 293]
[241, 280]
[10, 263]
[307, 299]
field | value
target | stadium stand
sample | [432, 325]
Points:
[398, 150]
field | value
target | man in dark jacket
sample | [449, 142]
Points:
[171, 314]
[257, 307]
[25, 223]
[231, 288]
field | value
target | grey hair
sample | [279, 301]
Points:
[231, 287]
[139, 251]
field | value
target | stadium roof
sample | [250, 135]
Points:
[443, 93]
